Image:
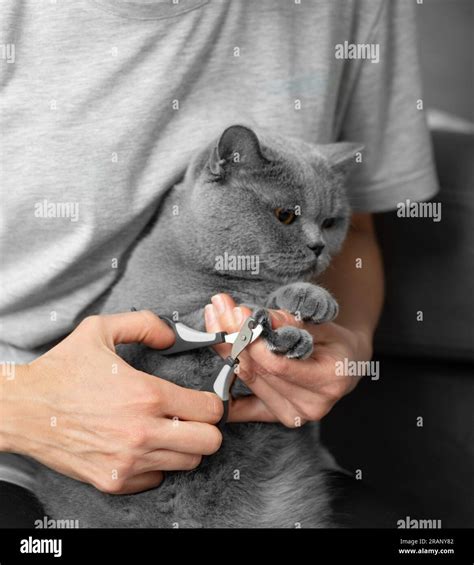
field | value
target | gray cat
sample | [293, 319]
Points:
[281, 201]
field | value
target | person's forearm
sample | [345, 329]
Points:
[355, 278]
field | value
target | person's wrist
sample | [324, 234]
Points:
[13, 409]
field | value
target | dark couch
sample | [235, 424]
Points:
[426, 368]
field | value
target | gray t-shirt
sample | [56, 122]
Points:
[103, 101]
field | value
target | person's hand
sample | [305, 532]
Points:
[288, 390]
[83, 411]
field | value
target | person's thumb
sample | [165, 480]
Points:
[142, 326]
[282, 318]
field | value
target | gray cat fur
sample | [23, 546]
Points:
[226, 203]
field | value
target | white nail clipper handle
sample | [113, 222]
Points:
[187, 339]
[221, 381]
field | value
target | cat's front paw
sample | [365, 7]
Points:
[294, 343]
[307, 301]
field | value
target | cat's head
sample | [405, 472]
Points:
[272, 208]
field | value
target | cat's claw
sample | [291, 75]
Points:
[262, 317]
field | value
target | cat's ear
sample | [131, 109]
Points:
[237, 147]
[342, 156]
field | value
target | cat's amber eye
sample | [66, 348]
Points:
[329, 223]
[285, 215]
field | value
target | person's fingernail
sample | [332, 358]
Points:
[219, 303]
[210, 314]
[238, 315]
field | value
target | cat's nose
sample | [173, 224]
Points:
[317, 249]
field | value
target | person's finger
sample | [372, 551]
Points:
[308, 404]
[224, 305]
[186, 437]
[257, 359]
[174, 401]
[225, 320]
[227, 314]
[214, 325]
[287, 395]
[280, 318]
[222, 311]
[310, 374]
[142, 482]
[223, 316]
[250, 409]
[329, 332]
[275, 402]
[285, 388]
[321, 332]
[142, 326]
[167, 460]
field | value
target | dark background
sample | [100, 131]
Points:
[446, 30]
[427, 369]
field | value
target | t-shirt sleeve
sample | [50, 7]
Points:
[383, 113]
